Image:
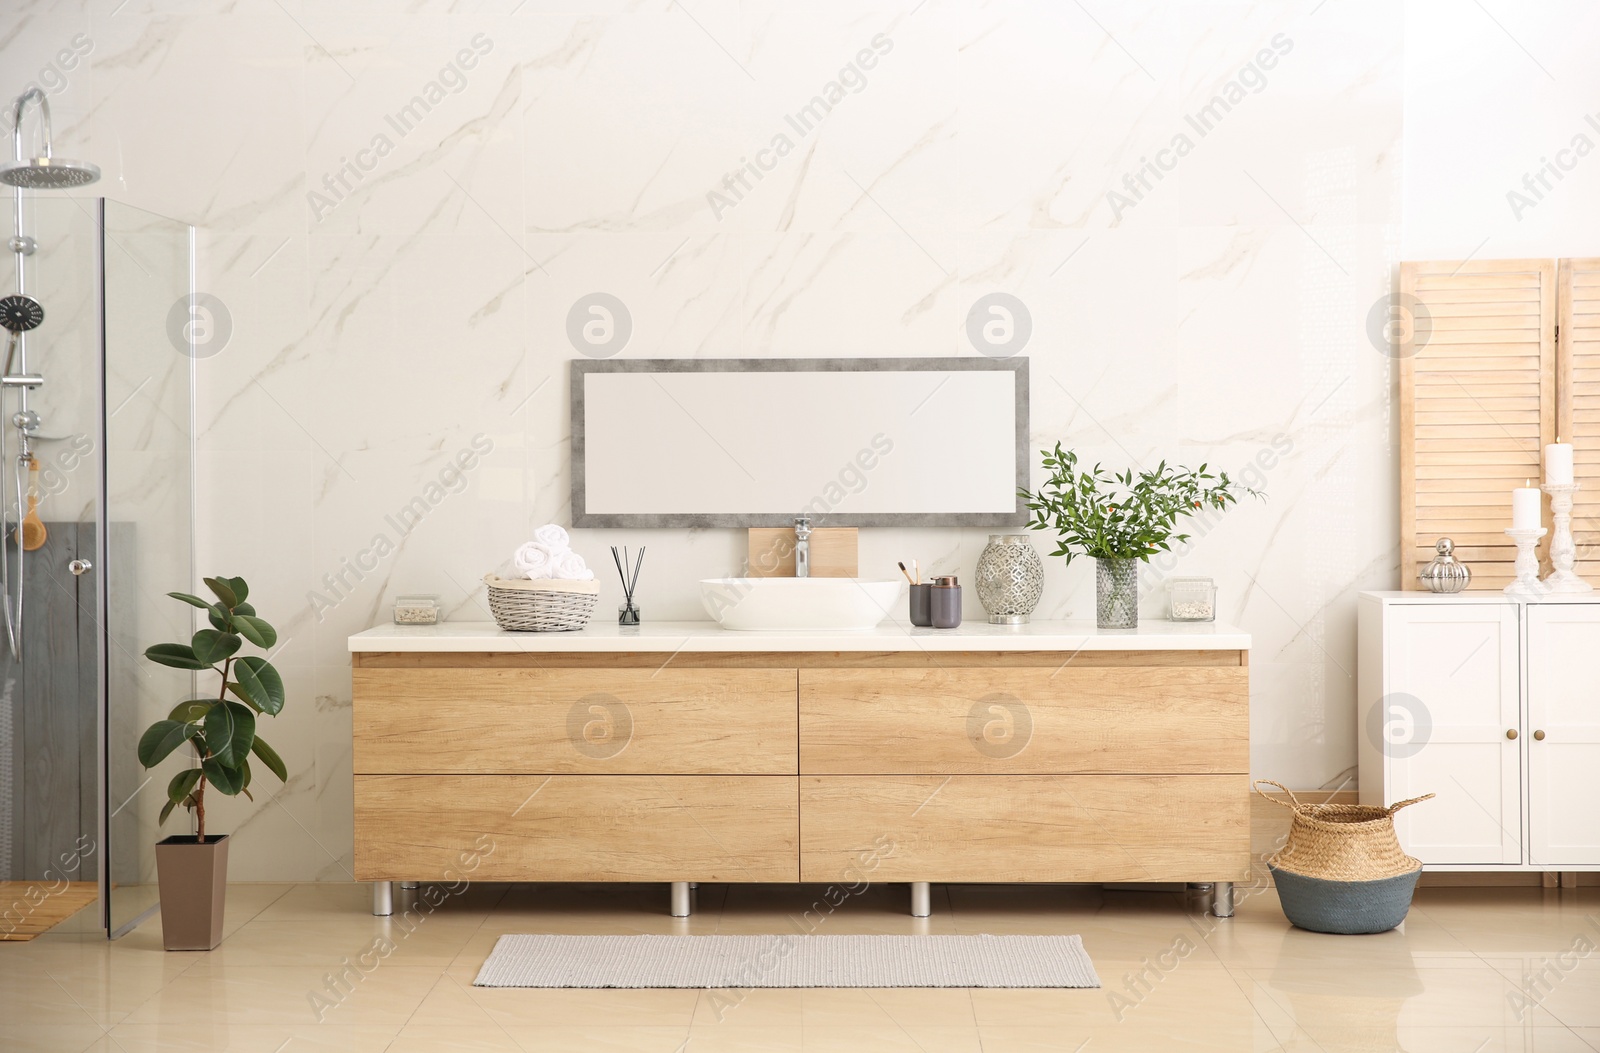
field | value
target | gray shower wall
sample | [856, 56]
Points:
[48, 719]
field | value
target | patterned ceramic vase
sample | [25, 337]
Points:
[1010, 578]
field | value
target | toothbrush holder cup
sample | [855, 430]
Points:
[921, 605]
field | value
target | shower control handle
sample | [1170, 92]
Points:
[80, 566]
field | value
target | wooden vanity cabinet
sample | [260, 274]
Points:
[973, 766]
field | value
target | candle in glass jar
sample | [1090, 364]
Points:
[1558, 463]
[1525, 510]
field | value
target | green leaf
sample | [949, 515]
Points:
[182, 785]
[254, 629]
[218, 616]
[1127, 513]
[270, 758]
[162, 738]
[193, 601]
[192, 710]
[244, 608]
[226, 778]
[241, 591]
[224, 591]
[176, 655]
[211, 647]
[259, 684]
[230, 730]
[166, 810]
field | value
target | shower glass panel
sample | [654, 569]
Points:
[103, 444]
[49, 767]
[148, 505]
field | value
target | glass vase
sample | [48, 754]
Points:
[1116, 584]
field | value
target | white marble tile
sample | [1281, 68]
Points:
[1220, 317]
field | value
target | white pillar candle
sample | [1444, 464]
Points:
[1525, 510]
[1558, 463]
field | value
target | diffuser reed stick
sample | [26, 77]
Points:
[628, 614]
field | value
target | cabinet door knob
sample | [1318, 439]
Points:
[1538, 736]
[1511, 733]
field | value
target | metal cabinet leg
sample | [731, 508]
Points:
[680, 899]
[1222, 899]
[382, 899]
[921, 899]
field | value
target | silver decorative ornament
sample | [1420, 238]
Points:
[1010, 578]
[1445, 573]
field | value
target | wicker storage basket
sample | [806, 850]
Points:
[541, 605]
[1342, 869]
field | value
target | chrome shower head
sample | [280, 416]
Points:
[19, 313]
[48, 173]
[44, 172]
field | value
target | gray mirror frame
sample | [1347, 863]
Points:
[582, 367]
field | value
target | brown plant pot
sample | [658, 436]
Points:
[194, 886]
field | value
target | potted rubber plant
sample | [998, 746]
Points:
[192, 870]
[1121, 519]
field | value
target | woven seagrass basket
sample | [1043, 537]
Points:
[541, 605]
[1342, 869]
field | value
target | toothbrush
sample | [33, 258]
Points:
[918, 568]
[906, 572]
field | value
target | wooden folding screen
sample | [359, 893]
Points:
[1578, 400]
[1477, 405]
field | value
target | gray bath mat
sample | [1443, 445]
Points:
[787, 961]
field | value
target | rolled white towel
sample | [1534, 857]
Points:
[553, 536]
[536, 560]
[570, 566]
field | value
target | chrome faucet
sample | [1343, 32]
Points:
[802, 547]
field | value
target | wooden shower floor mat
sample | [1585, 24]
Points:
[28, 908]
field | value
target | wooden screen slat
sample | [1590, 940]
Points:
[1477, 406]
[1578, 399]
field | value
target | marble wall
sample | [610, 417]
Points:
[1502, 132]
[398, 276]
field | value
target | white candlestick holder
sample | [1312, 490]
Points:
[1527, 582]
[1563, 552]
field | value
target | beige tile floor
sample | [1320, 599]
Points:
[1455, 979]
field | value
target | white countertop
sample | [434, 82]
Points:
[1476, 596]
[1151, 635]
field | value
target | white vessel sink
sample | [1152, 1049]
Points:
[797, 603]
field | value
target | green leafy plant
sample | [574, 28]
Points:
[221, 730]
[1122, 516]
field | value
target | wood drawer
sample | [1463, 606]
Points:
[577, 827]
[573, 721]
[1031, 720]
[1027, 827]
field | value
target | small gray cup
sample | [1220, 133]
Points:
[921, 612]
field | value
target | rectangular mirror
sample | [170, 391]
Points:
[757, 442]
